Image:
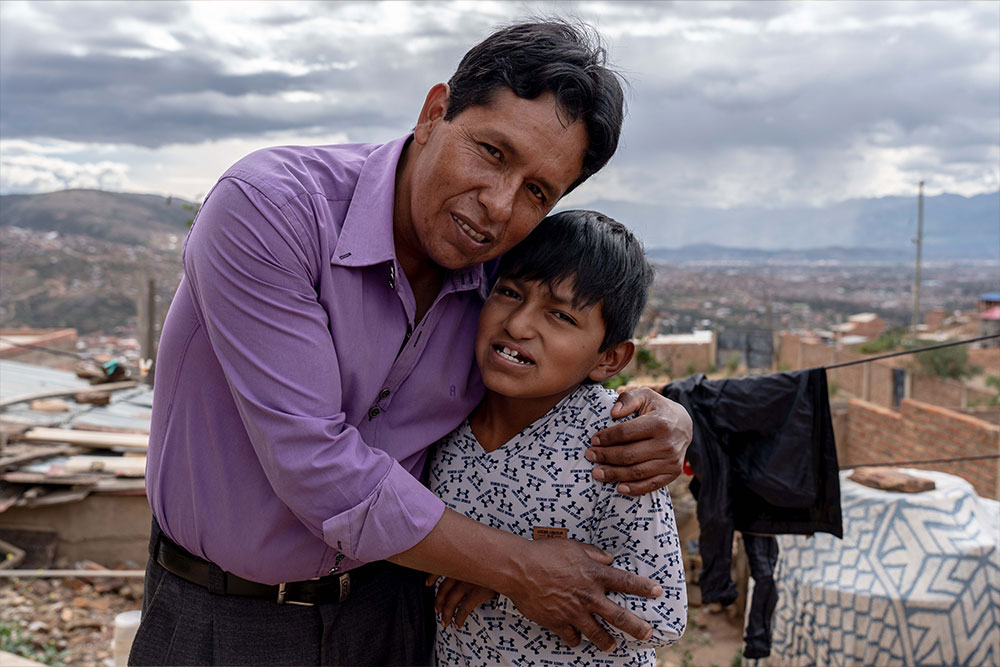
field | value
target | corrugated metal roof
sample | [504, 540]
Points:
[17, 378]
[129, 410]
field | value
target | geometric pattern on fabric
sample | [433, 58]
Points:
[540, 479]
[915, 581]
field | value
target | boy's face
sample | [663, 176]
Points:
[533, 343]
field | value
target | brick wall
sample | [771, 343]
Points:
[683, 359]
[988, 358]
[923, 431]
[796, 353]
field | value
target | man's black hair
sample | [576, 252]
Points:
[602, 260]
[553, 56]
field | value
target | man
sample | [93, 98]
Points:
[322, 340]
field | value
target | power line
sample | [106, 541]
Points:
[52, 350]
[914, 351]
[885, 464]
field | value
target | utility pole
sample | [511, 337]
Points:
[147, 327]
[916, 274]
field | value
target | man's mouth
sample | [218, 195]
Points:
[513, 355]
[470, 232]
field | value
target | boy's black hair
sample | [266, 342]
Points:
[565, 59]
[601, 258]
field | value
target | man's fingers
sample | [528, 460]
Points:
[621, 581]
[568, 634]
[599, 555]
[624, 620]
[644, 427]
[625, 455]
[593, 631]
[632, 401]
[636, 489]
[431, 579]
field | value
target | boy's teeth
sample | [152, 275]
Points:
[508, 353]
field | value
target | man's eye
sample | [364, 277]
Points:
[537, 191]
[492, 150]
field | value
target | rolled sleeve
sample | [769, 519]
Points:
[252, 265]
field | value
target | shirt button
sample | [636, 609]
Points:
[384, 393]
[374, 412]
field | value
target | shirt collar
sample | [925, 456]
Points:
[366, 236]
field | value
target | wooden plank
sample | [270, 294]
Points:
[91, 439]
[122, 466]
[15, 455]
[19, 477]
[134, 574]
[57, 393]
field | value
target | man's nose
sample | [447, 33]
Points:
[498, 199]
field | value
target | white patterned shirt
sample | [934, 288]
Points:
[540, 485]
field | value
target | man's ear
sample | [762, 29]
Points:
[612, 361]
[435, 106]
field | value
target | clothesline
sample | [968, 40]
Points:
[954, 459]
[913, 351]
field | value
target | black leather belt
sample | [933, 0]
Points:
[331, 588]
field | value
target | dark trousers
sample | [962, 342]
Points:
[387, 621]
[762, 552]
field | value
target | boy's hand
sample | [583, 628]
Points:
[456, 599]
[645, 453]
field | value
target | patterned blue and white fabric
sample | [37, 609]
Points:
[915, 581]
[540, 483]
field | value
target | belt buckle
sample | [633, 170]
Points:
[282, 600]
[343, 580]
[345, 586]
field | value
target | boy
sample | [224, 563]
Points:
[558, 322]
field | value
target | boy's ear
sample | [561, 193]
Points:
[435, 106]
[612, 360]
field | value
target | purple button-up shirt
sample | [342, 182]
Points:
[295, 397]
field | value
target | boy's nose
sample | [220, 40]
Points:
[519, 324]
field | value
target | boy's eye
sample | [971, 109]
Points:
[507, 292]
[564, 317]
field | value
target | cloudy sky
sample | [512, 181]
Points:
[731, 103]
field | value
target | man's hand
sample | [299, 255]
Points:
[562, 586]
[559, 584]
[456, 599]
[647, 452]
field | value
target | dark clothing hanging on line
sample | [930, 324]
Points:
[765, 462]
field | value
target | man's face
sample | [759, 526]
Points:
[478, 184]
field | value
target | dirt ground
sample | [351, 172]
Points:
[64, 621]
[711, 640]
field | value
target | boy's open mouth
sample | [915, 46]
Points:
[513, 355]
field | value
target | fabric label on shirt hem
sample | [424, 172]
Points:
[546, 532]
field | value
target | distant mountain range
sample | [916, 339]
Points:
[955, 227]
[110, 216]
